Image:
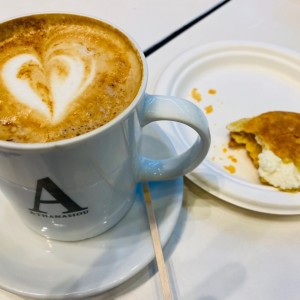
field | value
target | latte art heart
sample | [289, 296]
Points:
[49, 88]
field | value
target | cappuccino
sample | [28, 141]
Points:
[63, 75]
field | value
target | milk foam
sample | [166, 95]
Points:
[63, 89]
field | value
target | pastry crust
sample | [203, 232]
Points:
[276, 131]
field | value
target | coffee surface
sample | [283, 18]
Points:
[63, 75]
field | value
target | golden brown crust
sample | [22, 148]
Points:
[278, 131]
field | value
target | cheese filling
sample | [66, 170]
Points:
[276, 172]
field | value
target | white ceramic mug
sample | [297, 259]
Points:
[79, 187]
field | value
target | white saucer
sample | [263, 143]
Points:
[35, 267]
[248, 79]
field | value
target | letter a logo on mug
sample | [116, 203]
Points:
[59, 196]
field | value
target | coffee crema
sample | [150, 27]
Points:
[63, 75]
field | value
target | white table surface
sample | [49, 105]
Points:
[219, 251]
[146, 21]
[272, 21]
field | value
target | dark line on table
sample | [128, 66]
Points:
[173, 35]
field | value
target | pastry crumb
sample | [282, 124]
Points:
[209, 109]
[231, 169]
[196, 95]
[212, 91]
[232, 158]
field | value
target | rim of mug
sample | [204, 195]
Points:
[8, 146]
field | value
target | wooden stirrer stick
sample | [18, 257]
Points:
[163, 274]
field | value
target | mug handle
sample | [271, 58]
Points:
[157, 108]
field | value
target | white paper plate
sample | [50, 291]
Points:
[33, 266]
[248, 79]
